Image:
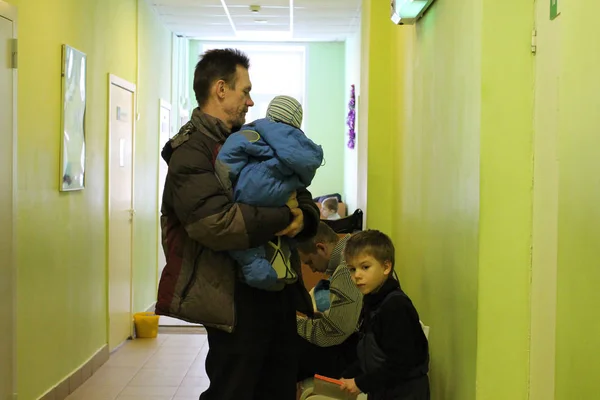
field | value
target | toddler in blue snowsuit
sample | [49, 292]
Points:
[263, 165]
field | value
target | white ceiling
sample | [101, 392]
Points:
[278, 20]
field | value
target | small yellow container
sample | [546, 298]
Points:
[146, 324]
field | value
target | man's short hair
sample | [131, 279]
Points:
[214, 65]
[324, 235]
[331, 203]
[373, 243]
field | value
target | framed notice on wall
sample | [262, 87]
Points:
[74, 92]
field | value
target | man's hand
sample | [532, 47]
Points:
[348, 385]
[292, 201]
[296, 226]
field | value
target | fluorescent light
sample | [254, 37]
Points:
[226, 9]
[411, 8]
[408, 11]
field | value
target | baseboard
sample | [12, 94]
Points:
[78, 377]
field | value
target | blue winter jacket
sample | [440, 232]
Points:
[263, 164]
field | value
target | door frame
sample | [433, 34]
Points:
[9, 12]
[546, 173]
[166, 105]
[131, 87]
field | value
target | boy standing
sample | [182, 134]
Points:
[393, 353]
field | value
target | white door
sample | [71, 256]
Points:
[544, 271]
[163, 136]
[121, 134]
[7, 136]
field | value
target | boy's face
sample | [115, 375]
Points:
[367, 273]
[325, 212]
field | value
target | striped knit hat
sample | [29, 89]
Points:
[285, 109]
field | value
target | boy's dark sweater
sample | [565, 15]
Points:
[398, 333]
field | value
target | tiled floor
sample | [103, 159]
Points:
[168, 321]
[170, 367]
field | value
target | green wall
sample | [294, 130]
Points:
[576, 87]
[450, 166]
[155, 47]
[61, 249]
[326, 112]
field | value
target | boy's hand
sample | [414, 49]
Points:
[348, 385]
[296, 226]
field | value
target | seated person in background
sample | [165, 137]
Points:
[393, 353]
[327, 343]
[330, 208]
[263, 165]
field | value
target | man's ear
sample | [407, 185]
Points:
[321, 246]
[220, 88]
[387, 265]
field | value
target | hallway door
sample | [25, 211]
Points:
[544, 270]
[121, 212]
[163, 136]
[7, 152]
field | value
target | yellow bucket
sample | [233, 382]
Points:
[146, 324]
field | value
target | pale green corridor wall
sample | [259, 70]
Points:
[459, 211]
[61, 249]
[325, 112]
[568, 63]
[154, 83]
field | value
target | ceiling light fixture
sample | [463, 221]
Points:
[408, 12]
[228, 16]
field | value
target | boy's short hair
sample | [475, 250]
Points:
[324, 235]
[331, 204]
[373, 243]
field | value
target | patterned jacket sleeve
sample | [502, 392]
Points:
[341, 320]
[207, 212]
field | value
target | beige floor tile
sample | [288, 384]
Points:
[149, 391]
[168, 357]
[155, 378]
[185, 340]
[195, 381]
[170, 367]
[178, 350]
[191, 390]
[174, 372]
[198, 371]
[96, 393]
[112, 376]
[127, 360]
[167, 364]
